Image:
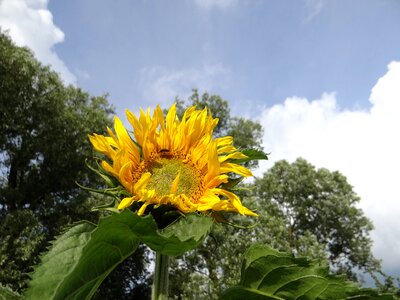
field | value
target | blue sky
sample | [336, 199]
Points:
[322, 77]
[259, 52]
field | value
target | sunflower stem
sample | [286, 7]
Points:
[160, 284]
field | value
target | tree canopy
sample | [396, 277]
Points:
[323, 203]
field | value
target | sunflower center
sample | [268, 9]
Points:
[165, 170]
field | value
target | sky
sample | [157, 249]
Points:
[322, 77]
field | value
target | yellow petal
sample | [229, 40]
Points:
[175, 182]
[213, 162]
[224, 141]
[142, 182]
[234, 168]
[217, 180]
[126, 202]
[142, 209]
[236, 155]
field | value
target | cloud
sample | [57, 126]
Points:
[363, 145]
[162, 85]
[82, 74]
[313, 8]
[30, 24]
[221, 4]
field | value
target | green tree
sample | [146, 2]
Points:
[323, 203]
[43, 147]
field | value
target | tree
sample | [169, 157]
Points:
[43, 147]
[323, 203]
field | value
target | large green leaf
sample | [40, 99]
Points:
[269, 274]
[7, 294]
[82, 257]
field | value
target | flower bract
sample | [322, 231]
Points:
[173, 162]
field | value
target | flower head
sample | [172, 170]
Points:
[172, 162]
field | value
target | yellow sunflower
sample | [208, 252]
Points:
[172, 162]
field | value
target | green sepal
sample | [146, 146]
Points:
[270, 274]
[232, 182]
[220, 218]
[111, 206]
[252, 154]
[7, 294]
[110, 180]
[116, 192]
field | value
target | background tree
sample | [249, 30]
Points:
[43, 147]
[323, 203]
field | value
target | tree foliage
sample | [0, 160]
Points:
[43, 147]
[323, 203]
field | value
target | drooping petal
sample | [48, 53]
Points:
[142, 182]
[126, 202]
[237, 169]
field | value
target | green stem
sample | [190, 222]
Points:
[160, 284]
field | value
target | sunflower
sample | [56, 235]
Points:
[172, 162]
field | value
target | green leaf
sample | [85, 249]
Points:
[82, 257]
[7, 294]
[269, 274]
[183, 235]
[252, 154]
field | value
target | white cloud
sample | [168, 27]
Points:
[221, 4]
[162, 85]
[363, 145]
[313, 8]
[82, 74]
[30, 24]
